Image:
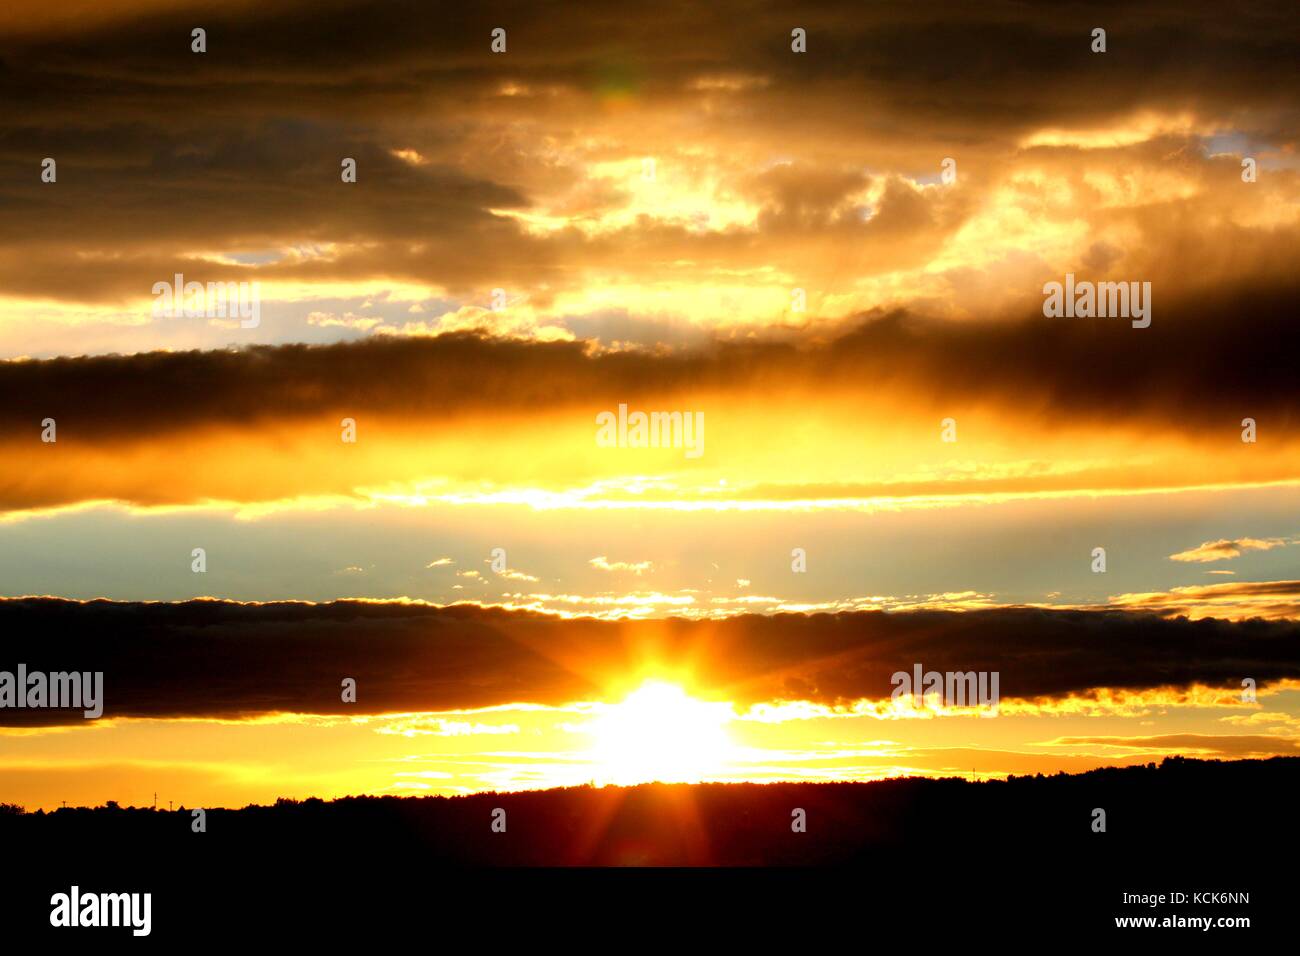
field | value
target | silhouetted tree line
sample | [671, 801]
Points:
[1182, 809]
[1000, 855]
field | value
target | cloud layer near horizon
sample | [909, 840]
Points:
[226, 660]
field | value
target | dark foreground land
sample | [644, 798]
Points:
[1011, 854]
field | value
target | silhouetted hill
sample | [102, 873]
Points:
[1018, 849]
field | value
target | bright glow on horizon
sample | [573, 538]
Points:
[661, 733]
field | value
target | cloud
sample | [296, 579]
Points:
[1275, 721]
[272, 414]
[1225, 548]
[1233, 600]
[601, 563]
[1228, 745]
[1082, 370]
[418, 725]
[220, 659]
[523, 172]
[513, 575]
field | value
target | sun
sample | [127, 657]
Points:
[660, 733]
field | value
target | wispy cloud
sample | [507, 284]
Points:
[1227, 548]
[1232, 600]
[601, 563]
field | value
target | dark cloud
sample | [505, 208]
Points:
[999, 64]
[1267, 599]
[1199, 363]
[163, 151]
[219, 659]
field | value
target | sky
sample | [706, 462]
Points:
[827, 252]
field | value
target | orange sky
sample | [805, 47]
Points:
[836, 258]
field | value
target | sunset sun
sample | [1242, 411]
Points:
[659, 732]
